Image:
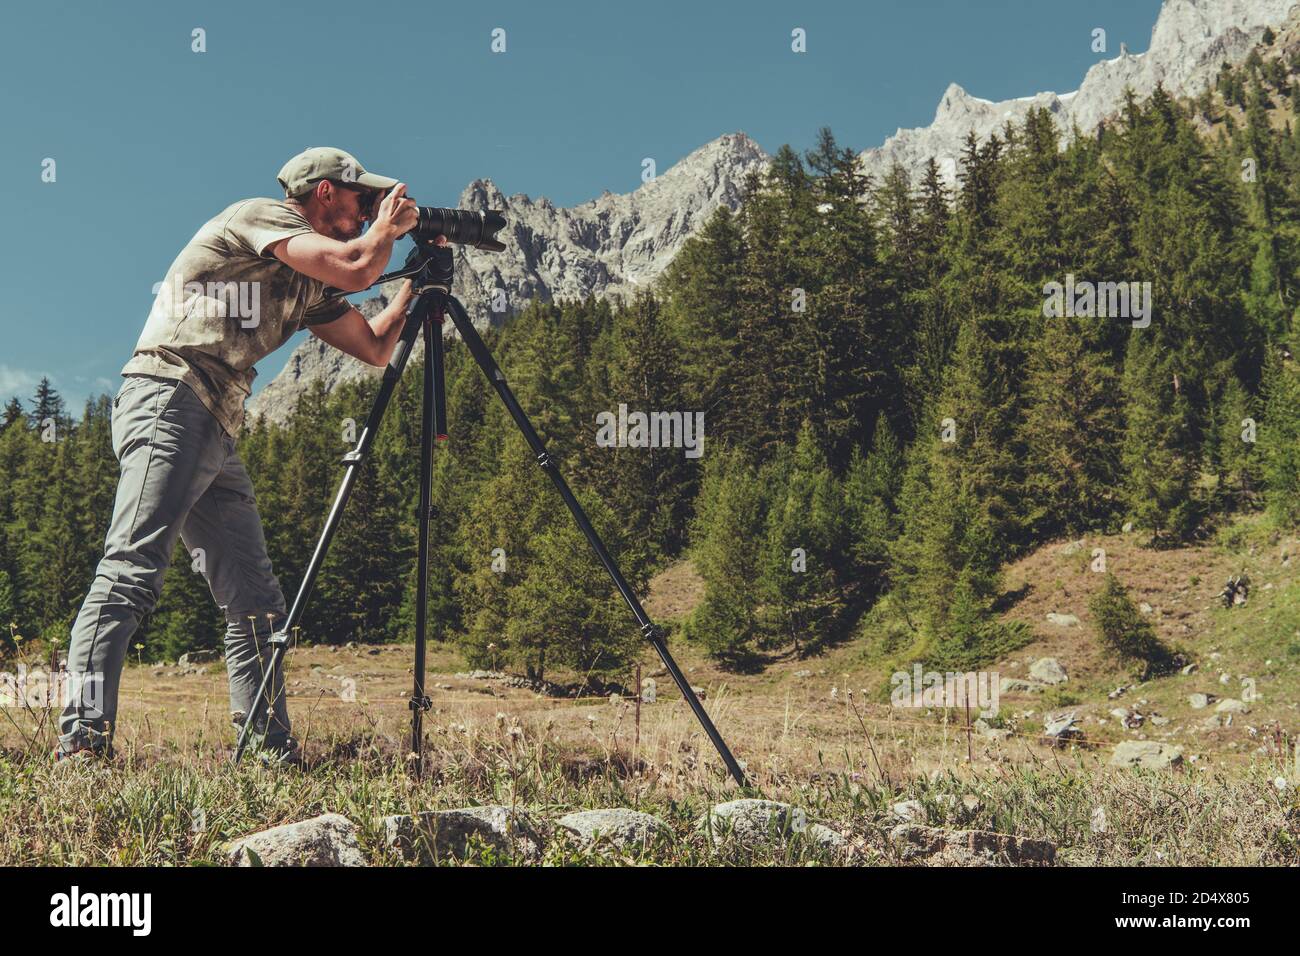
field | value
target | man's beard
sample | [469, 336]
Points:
[345, 230]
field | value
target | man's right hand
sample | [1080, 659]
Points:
[397, 213]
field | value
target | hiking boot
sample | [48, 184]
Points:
[85, 745]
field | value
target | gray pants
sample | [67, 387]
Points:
[180, 476]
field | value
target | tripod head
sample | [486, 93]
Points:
[431, 266]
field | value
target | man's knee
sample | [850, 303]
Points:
[134, 580]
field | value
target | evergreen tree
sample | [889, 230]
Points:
[47, 405]
[1279, 442]
[727, 552]
[804, 548]
[871, 489]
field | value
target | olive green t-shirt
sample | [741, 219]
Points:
[227, 302]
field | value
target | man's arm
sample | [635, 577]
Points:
[354, 265]
[372, 342]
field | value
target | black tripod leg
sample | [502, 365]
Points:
[432, 388]
[352, 460]
[485, 361]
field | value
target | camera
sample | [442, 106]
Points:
[476, 229]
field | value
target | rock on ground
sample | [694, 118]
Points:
[1062, 620]
[754, 822]
[439, 833]
[327, 840]
[1016, 685]
[618, 826]
[939, 847]
[1146, 754]
[1048, 670]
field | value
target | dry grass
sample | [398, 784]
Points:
[172, 796]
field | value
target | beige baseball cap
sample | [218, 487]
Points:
[325, 162]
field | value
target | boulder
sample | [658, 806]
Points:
[1060, 729]
[1146, 754]
[1048, 670]
[938, 847]
[438, 833]
[1012, 685]
[618, 827]
[1062, 620]
[327, 840]
[754, 822]
[909, 811]
[190, 658]
[1230, 705]
[1198, 701]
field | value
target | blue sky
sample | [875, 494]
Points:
[151, 139]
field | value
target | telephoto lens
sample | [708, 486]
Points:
[475, 229]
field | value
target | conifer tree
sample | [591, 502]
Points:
[804, 548]
[728, 544]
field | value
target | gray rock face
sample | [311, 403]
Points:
[1048, 670]
[1062, 620]
[1230, 705]
[1060, 729]
[327, 840]
[1014, 685]
[620, 827]
[936, 847]
[755, 819]
[1146, 754]
[196, 657]
[439, 833]
[1190, 41]
[755, 822]
[607, 247]
[909, 811]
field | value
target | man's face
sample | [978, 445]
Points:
[349, 208]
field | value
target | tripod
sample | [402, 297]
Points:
[432, 268]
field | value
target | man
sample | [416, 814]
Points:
[249, 279]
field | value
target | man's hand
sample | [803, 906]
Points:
[397, 213]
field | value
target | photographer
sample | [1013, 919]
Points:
[249, 279]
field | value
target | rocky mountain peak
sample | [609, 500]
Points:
[1190, 41]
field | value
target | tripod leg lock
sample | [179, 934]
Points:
[652, 633]
[420, 703]
[545, 460]
[279, 639]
